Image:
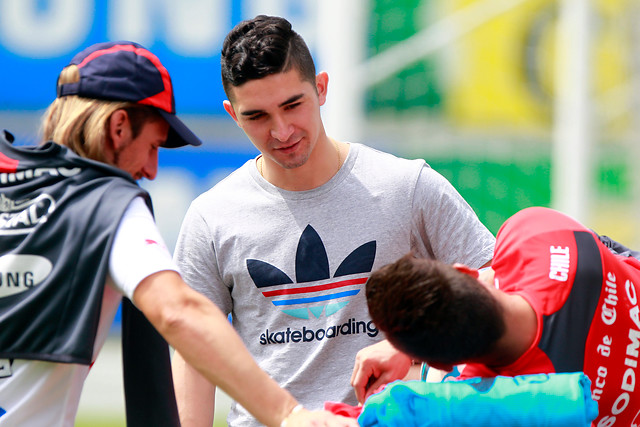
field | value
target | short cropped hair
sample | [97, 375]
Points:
[262, 46]
[82, 124]
[432, 312]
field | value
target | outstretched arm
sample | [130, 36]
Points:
[377, 365]
[205, 339]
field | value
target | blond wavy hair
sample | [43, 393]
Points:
[82, 124]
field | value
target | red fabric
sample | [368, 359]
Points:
[343, 409]
[524, 264]
[346, 410]
[7, 164]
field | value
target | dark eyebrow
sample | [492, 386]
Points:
[291, 100]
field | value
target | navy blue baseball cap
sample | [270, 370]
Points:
[126, 71]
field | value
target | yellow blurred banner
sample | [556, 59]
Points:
[501, 73]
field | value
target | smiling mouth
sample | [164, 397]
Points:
[288, 147]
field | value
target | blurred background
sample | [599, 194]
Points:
[517, 102]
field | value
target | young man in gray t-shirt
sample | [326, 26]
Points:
[286, 242]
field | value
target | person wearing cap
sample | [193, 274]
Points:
[77, 233]
[286, 242]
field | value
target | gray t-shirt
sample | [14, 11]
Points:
[291, 266]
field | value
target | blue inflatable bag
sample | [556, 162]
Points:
[550, 400]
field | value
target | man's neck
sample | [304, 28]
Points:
[324, 162]
[521, 328]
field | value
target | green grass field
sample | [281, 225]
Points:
[94, 422]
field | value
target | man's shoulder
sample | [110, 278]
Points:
[382, 154]
[386, 163]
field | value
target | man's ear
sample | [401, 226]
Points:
[119, 129]
[466, 270]
[229, 109]
[322, 84]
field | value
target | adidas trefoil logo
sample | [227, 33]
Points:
[312, 266]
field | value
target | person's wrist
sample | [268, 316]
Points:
[295, 409]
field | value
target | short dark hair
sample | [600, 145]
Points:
[262, 46]
[433, 312]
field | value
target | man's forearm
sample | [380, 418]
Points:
[195, 395]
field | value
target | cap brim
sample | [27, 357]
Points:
[179, 134]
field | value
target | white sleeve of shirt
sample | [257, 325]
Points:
[138, 249]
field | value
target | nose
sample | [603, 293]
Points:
[150, 168]
[281, 129]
